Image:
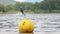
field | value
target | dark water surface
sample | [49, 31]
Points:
[44, 23]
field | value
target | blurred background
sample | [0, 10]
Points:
[48, 23]
[30, 6]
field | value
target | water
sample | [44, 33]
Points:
[44, 23]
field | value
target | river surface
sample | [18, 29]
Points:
[44, 23]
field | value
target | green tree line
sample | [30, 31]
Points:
[43, 5]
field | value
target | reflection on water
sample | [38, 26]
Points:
[46, 23]
[26, 33]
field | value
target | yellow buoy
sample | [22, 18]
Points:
[26, 26]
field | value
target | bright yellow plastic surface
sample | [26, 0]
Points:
[26, 26]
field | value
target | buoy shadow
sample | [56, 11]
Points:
[26, 33]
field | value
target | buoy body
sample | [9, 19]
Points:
[26, 26]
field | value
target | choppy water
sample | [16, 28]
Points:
[44, 23]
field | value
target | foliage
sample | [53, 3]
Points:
[50, 5]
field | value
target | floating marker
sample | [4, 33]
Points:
[26, 26]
